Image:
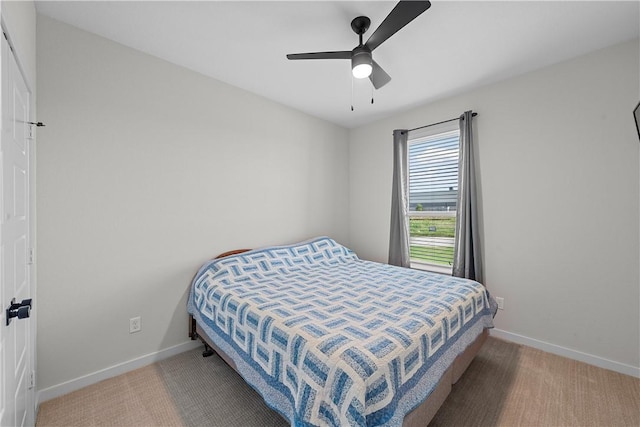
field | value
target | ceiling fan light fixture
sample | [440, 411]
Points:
[362, 71]
[361, 64]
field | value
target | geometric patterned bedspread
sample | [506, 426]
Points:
[329, 339]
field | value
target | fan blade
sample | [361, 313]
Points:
[401, 15]
[378, 76]
[345, 54]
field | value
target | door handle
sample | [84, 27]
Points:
[21, 310]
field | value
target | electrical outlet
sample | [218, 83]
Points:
[500, 302]
[135, 325]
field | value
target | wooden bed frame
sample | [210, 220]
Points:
[418, 417]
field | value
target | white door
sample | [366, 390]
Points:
[17, 392]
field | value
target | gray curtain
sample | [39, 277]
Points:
[467, 259]
[399, 236]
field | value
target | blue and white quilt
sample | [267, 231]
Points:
[331, 340]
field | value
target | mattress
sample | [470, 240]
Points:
[329, 339]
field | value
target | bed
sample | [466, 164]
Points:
[329, 339]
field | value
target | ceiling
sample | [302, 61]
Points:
[453, 47]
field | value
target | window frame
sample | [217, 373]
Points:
[418, 136]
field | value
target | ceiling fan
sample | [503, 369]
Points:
[362, 63]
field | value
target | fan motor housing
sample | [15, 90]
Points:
[361, 51]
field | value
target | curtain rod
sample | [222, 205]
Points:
[439, 123]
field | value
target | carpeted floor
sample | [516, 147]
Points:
[506, 385]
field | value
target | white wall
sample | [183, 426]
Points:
[559, 176]
[146, 170]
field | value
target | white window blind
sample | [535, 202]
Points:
[433, 191]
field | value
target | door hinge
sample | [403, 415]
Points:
[32, 379]
[30, 256]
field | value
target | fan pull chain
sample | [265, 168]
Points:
[372, 94]
[352, 93]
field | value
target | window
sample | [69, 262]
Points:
[433, 193]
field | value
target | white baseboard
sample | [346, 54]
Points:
[121, 368]
[110, 372]
[567, 352]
